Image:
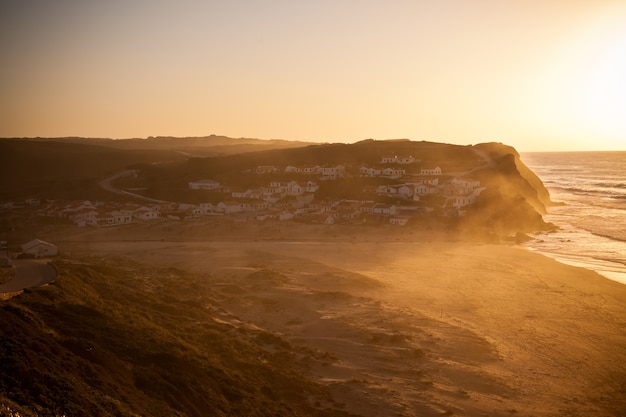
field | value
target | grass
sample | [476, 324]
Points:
[6, 273]
[117, 339]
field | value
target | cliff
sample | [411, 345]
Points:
[513, 198]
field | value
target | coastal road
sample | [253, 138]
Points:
[29, 273]
[106, 185]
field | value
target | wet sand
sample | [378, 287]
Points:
[417, 328]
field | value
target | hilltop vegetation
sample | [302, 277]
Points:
[119, 339]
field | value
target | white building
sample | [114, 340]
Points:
[229, 207]
[399, 221]
[395, 159]
[332, 173]
[146, 214]
[204, 185]
[40, 249]
[431, 171]
[393, 173]
[121, 217]
[369, 171]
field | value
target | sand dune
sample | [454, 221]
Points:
[421, 329]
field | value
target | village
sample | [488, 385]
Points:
[405, 190]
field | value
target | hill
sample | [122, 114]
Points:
[71, 167]
[57, 170]
[119, 339]
[514, 198]
[212, 145]
[487, 184]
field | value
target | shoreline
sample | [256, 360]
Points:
[614, 271]
[564, 245]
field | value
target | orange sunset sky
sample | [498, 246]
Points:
[541, 75]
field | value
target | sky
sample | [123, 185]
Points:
[540, 75]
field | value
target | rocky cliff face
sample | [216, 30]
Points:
[507, 161]
[515, 198]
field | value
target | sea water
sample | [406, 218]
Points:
[592, 218]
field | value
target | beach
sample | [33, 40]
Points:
[590, 212]
[412, 327]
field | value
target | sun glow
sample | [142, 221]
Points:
[605, 109]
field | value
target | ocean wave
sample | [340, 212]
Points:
[605, 235]
[607, 192]
[611, 185]
[579, 190]
[593, 186]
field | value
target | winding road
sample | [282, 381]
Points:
[106, 185]
[29, 273]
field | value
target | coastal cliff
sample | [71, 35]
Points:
[515, 198]
[484, 188]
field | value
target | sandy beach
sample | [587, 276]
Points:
[412, 327]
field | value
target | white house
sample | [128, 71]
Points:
[246, 193]
[40, 249]
[386, 189]
[255, 205]
[204, 185]
[146, 214]
[395, 159]
[367, 207]
[120, 217]
[405, 159]
[392, 172]
[229, 207]
[266, 169]
[293, 188]
[399, 221]
[83, 216]
[424, 189]
[310, 169]
[101, 220]
[369, 171]
[332, 173]
[431, 171]
[311, 187]
[463, 200]
[381, 209]
[206, 208]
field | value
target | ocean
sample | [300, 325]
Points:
[592, 219]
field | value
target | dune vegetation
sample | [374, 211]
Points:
[119, 339]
